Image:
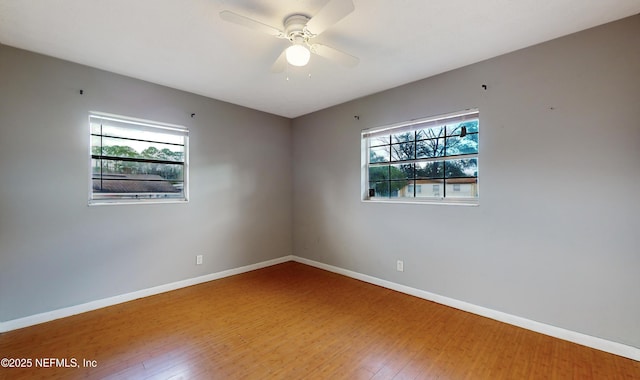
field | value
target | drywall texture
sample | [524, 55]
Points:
[56, 251]
[555, 238]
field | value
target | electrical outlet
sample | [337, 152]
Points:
[199, 260]
[400, 266]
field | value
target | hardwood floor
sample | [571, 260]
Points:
[292, 321]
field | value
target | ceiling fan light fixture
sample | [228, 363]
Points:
[300, 29]
[297, 55]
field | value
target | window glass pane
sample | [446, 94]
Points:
[381, 188]
[96, 168]
[429, 188]
[96, 145]
[461, 168]
[410, 189]
[407, 190]
[115, 147]
[119, 183]
[379, 154]
[403, 137]
[397, 188]
[467, 126]
[138, 133]
[95, 127]
[433, 169]
[168, 172]
[462, 188]
[462, 145]
[430, 133]
[470, 125]
[430, 148]
[378, 173]
[402, 152]
[379, 140]
[401, 171]
[454, 130]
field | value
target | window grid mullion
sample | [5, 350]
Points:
[137, 159]
[101, 164]
[415, 155]
[444, 166]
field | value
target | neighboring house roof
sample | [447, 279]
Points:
[462, 180]
[133, 183]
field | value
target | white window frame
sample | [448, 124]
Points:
[137, 125]
[413, 125]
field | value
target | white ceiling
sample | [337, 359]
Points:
[185, 44]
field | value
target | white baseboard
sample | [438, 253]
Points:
[556, 332]
[98, 304]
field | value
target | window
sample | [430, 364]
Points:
[436, 190]
[439, 152]
[134, 161]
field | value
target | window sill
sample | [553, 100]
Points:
[119, 202]
[438, 202]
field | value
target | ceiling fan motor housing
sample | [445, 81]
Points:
[295, 31]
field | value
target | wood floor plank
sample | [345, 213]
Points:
[292, 321]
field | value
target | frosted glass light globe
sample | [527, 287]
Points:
[297, 55]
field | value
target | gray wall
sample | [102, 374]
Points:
[556, 236]
[55, 251]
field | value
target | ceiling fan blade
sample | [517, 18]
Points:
[334, 55]
[251, 23]
[332, 12]
[280, 64]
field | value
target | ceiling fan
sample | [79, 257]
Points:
[300, 29]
